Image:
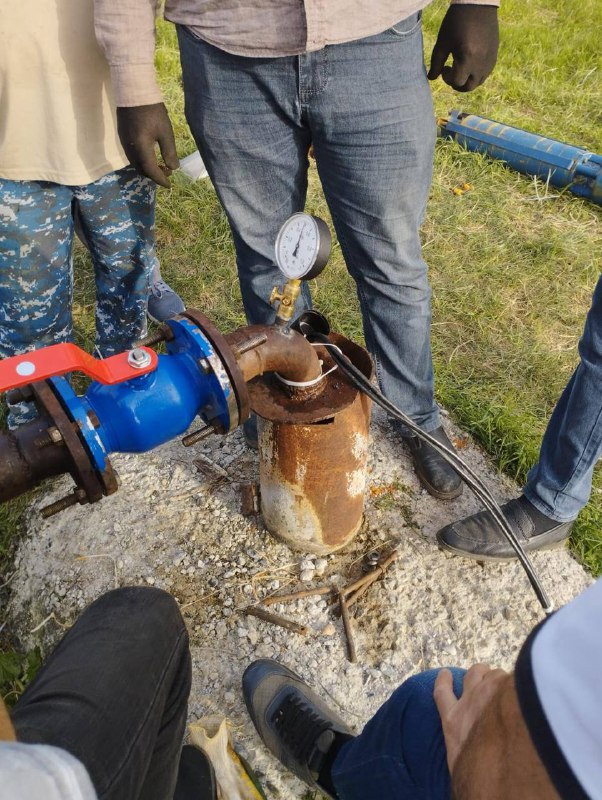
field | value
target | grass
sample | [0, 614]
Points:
[512, 266]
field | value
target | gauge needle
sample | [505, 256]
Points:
[296, 250]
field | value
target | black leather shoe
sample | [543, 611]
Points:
[293, 722]
[437, 476]
[479, 536]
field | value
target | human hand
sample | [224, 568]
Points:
[470, 34]
[140, 127]
[459, 715]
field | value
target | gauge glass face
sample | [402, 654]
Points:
[297, 246]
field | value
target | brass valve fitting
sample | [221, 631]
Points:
[285, 300]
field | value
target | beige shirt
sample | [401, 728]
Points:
[125, 30]
[57, 110]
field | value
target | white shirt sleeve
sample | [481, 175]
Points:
[42, 772]
[559, 683]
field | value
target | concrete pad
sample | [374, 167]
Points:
[177, 525]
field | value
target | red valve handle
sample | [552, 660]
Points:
[58, 359]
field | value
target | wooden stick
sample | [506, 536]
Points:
[347, 626]
[276, 619]
[372, 576]
[287, 598]
[353, 591]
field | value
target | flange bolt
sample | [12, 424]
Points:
[49, 437]
[77, 496]
[139, 358]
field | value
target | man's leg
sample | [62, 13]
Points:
[114, 694]
[399, 754]
[401, 751]
[560, 484]
[371, 116]
[246, 120]
[117, 215]
[370, 112]
[36, 277]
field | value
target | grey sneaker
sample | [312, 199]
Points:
[294, 723]
[163, 302]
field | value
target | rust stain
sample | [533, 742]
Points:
[313, 476]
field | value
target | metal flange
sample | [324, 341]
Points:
[95, 484]
[228, 358]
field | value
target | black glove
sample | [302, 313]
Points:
[470, 34]
[140, 127]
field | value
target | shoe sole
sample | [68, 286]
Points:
[478, 557]
[162, 321]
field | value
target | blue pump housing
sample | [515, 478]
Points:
[564, 165]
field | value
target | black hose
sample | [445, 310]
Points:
[470, 478]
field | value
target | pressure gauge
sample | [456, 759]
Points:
[303, 246]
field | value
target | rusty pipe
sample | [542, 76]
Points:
[286, 352]
[24, 463]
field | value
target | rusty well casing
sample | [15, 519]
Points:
[313, 457]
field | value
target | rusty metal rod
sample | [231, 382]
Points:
[164, 334]
[276, 619]
[250, 344]
[286, 352]
[288, 598]
[198, 435]
[77, 496]
[347, 626]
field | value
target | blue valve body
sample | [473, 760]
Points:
[563, 164]
[141, 414]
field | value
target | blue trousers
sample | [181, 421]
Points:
[560, 484]
[366, 107]
[400, 754]
[117, 217]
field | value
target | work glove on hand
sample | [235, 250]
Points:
[140, 128]
[470, 34]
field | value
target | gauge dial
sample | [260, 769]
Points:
[303, 246]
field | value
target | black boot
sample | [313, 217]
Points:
[437, 476]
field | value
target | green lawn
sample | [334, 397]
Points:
[512, 267]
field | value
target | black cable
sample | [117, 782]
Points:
[470, 478]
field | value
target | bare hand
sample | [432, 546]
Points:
[470, 34]
[140, 128]
[458, 716]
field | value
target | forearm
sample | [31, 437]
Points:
[125, 31]
[499, 755]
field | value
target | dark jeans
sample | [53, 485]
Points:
[114, 694]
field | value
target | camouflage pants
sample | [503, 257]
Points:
[116, 214]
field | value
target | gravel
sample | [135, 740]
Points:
[176, 524]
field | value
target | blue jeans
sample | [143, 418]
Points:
[560, 484]
[117, 217]
[400, 754]
[366, 108]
